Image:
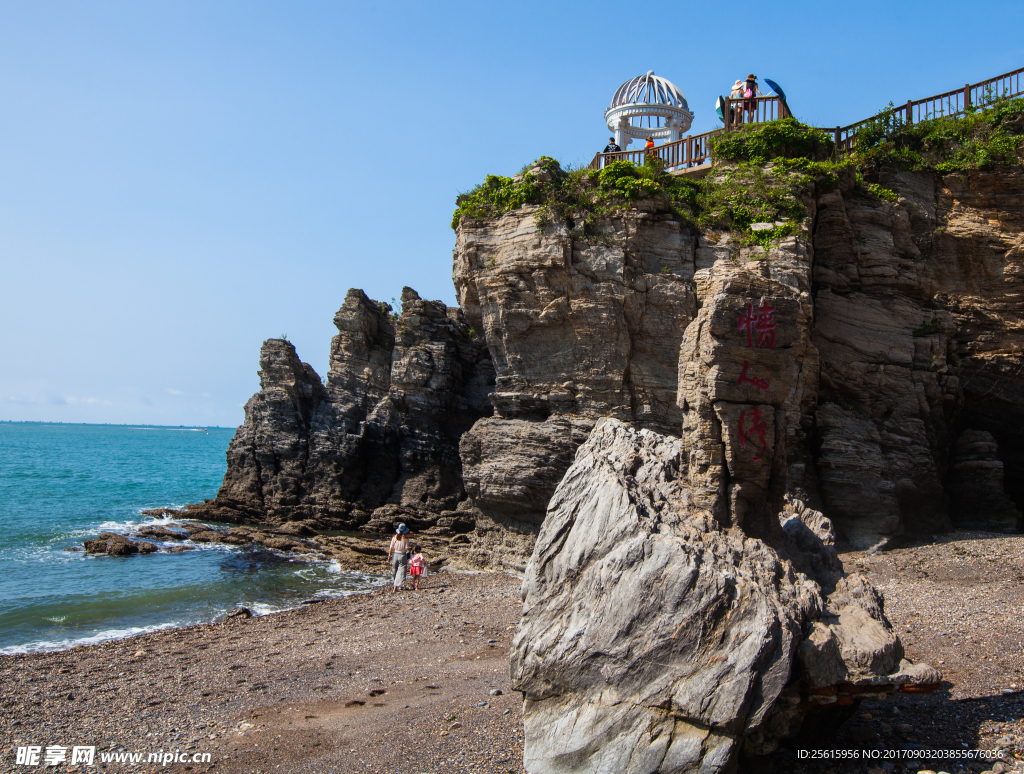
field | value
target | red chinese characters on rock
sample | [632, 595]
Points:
[752, 428]
[760, 384]
[761, 322]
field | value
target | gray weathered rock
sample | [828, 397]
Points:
[978, 487]
[895, 331]
[748, 381]
[384, 429]
[653, 639]
[511, 466]
[917, 309]
[578, 329]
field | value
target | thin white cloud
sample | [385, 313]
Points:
[172, 391]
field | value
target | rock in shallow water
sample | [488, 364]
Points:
[112, 544]
[653, 640]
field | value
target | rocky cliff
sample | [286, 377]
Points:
[850, 355]
[666, 402]
[578, 328]
[380, 435]
[859, 354]
[918, 306]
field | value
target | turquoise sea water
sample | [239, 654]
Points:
[62, 484]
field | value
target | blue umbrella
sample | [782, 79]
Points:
[776, 88]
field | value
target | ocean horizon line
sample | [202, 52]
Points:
[112, 424]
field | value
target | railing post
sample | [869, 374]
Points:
[837, 139]
[727, 113]
[910, 112]
[967, 96]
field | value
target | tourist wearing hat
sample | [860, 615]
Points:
[750, 93]
[735, 98]
[612, 146]
[398, 555]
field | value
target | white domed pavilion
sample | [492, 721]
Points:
[648, 107]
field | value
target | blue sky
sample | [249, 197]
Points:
[181, 180]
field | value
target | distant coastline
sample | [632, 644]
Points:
[109, 424]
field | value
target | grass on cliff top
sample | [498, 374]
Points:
[771, 170]
[575, 196]
[987, 137]
[747, 192]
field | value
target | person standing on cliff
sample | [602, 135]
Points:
[612, 146]
[398, 555]
[751, 92]
[735, 97]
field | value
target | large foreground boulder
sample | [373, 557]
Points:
[655, 640]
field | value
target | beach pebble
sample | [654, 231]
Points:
[862, 735]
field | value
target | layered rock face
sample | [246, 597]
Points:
[577, 330]
[847, 360]
[977, 481]
[748, 380]
[842, 367]
[698, 651]
[917, 308]
[382, 433]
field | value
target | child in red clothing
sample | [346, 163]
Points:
[416, 566]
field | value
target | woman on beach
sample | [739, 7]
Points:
[398, 555]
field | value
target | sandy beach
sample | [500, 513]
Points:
[418, 682]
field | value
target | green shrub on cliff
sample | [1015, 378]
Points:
[627, 180]
[747, 193]
[785, 139]
[496, 196]
[576, 197]
[986, 137]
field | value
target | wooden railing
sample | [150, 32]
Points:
[754, 110]
[692, 151]
[695, 151]
[951, 103]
